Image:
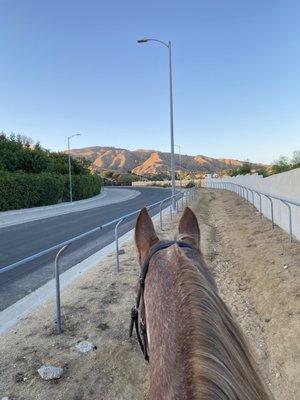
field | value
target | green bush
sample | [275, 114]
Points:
[190, 184]
[83, 187]
[19, 154]
[20, 190]
[24, 190]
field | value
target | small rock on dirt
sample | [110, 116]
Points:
[103, 326]
[85, 346]
[49, 372]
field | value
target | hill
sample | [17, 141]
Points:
[149, 162]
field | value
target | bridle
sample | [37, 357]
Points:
[140, 326]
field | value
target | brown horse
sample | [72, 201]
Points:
[196, 350]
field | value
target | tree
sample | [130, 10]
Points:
[33, 160]
[281, 165]
[18, 153]
[296, 158]
[107, 174]
[244, 169]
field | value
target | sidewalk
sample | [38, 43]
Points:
[108, 196]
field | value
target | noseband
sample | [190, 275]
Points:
[140, 326]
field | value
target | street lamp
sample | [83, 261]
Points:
[179, 149]
[70, 173]
[168, 45]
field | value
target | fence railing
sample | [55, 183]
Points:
[244, 191]
[61, 247]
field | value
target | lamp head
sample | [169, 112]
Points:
[144, 40]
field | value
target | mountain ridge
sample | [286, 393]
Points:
[150, 162]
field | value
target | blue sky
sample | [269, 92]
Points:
[74, 66]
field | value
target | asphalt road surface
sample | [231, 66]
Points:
[21, 241]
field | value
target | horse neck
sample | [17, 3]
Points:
[196, 350]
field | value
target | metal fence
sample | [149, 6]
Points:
[182, 196]
[244, 191]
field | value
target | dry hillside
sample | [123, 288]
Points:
[145, 162]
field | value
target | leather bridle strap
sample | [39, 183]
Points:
[142, 337]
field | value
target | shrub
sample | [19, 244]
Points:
[83, 186]
[244, 169]
[18, 153]
[20, 190]
[23, 190]
[190, 184]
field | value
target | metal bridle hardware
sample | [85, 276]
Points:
[141, 326]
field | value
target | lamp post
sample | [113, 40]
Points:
[168, 45]
[70, 172]
[179, 149]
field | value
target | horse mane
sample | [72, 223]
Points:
[218, 363]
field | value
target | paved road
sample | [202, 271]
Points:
[20, 241]
[108, 196]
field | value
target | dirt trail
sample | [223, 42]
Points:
[257, 272]
[248, 260]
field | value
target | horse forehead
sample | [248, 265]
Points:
[167, 256]
[171, 256]
[170, 252]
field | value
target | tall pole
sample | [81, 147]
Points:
[70, 173]
[179, 149]
[168, 45]
[172, 130]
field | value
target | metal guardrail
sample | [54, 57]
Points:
[61, 247]
[243, 191]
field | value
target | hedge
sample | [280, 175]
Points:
[23, 190]
[83, 187]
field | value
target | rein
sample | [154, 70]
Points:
[140, 326]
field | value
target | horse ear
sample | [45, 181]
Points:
[145, 235]
[188, 228]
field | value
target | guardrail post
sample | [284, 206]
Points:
[259, 200]
[57, 288]
[247, 193]
[252, 195]
[160, 215]
[177, 204]
[272, 213]
[117, 244]
[290, 219]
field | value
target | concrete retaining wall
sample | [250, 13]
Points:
[284, 185]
